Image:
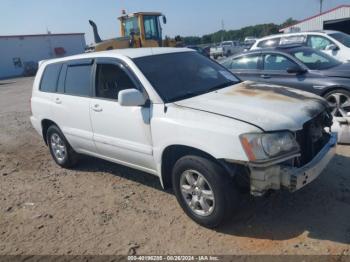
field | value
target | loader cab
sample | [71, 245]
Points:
[144, 27]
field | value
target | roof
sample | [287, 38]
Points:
[312, 17]
[140, 13]
[297, 33]
[128, 52]
[39, 35]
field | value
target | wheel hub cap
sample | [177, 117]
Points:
[197, 192]
[58, 147]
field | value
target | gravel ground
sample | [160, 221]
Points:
[104, 208]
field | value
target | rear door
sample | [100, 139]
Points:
[247, 67]
[71, 104]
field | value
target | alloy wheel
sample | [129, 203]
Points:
[340, 104]
[58, 147]
[197, 193]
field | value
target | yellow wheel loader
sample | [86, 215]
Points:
[142, 29]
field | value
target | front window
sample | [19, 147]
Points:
[315, 60]
[342, 38]
[110, 80]
[178, 76]
[131, 26]
[318, 42]
[277, 62]
[151, 28]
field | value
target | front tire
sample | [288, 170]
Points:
[339, 101]
[60, 150]
[204, 191]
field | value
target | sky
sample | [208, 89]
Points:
[185, 17]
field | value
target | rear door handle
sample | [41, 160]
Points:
[58, 100]
[97, 108]
[265, 76]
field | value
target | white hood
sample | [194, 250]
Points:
[267, 106]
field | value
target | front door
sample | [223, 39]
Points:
[275, 71]
[121, 133]
[246, 67]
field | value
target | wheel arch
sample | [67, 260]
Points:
[45, 124]
[334, 88]
[172, 153]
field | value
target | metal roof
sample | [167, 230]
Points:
[315, 16]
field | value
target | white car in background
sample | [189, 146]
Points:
[334, 43]
[226, 48]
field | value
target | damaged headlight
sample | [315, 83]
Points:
[264, 146]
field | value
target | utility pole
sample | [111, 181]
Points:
[222, 30]
[321, 5]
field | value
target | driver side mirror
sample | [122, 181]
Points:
[131, 97]
[332, 47]
[296, 70]
[164, 19]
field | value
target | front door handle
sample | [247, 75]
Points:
[97, 108]
[265, 76]
[58, 100]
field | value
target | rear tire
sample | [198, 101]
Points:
[204, 191]
[60, 149]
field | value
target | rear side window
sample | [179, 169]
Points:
[246, 62]
[78, 80]
[50, 77]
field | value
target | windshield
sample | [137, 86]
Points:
[178, 76]
[342, 38]
[315, 60]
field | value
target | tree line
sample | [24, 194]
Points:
[258, 31]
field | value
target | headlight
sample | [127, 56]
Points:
[264, 146]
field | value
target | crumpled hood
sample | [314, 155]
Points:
[269, 107]
[342, 70]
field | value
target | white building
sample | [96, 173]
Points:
[19, 54]
[334, 19]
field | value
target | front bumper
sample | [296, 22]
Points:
[279, 175]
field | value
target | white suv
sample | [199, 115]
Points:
[180, 116]
[334, 43]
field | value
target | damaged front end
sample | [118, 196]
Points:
[316, 146]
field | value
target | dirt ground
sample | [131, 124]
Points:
[104, 208]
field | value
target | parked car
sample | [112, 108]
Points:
[299, 67]
[200, 50]
[333, 43]
[249, 42]
[193, 124]
[226, 48]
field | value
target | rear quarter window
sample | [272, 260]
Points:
[50, 77]
[269, 43]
